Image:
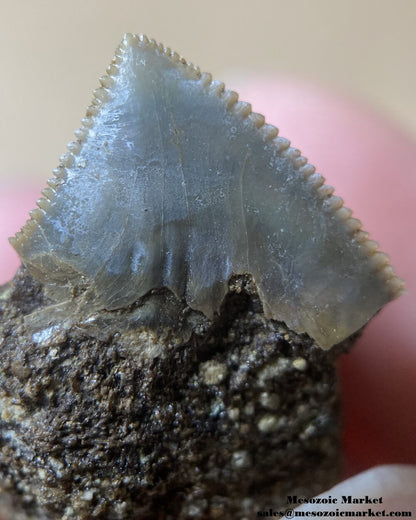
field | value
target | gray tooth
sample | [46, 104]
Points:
[174, 183]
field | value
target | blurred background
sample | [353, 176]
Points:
[53, 53]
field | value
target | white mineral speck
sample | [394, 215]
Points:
[212, 372]
[233, 414]
[300, 364]
[269, 400]
[88, 495]
[241, 459]
[268, 423]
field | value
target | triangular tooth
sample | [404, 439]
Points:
[266, 179]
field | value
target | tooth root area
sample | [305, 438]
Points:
[307, 170]
[106, 81]
[333, 203]
[242, 108]
[216, 87]
[325, 191]
[316, 180]
[74, 147]
[257, 119]
[269, 132]
[353, 224]
[230, 98]
[206, 79]
[67, 160]
[344, 213]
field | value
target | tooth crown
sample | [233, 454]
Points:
[173, 182]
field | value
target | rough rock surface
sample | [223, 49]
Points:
[157, 412]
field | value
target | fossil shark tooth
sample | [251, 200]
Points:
[172, 182]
